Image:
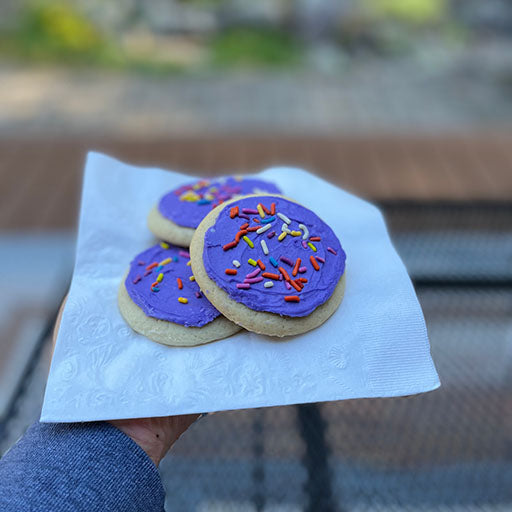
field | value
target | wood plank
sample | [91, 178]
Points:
[40, 179]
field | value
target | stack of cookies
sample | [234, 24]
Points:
[233, 253]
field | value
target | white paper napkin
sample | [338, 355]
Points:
[375, 345]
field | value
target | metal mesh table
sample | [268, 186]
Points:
[449, 450]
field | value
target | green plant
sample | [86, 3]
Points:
[408, 11]
[57, 31]
[254, 47]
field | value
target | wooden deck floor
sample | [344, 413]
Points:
[40, 179]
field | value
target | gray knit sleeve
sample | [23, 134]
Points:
[78, 467]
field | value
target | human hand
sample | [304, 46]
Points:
[154, 435]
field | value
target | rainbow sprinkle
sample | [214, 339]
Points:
[252, 262]
[254, 273]
[229, 246]
[284, 218]
[183, 300]
[286, 260]
[248, 241]
[284, 273]
[263, 229]
[305, 231]
[253, 280]
[296, 267]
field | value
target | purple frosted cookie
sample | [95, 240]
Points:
[180, 211]
[160, 299]
[269, 264]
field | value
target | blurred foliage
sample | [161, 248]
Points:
[409, 11]
[204, 3]
[390, 28]
[255, 47]
[57, 31]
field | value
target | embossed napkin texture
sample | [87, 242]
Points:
[375, 345]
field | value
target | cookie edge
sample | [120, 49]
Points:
[170, 333]
[167, 230]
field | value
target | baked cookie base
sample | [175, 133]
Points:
[169, 333]
[261, 322]
[167, 230]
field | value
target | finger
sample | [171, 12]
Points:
[57, 323]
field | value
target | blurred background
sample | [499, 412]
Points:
[404, 102]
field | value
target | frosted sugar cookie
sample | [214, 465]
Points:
[269, 264]
[160, 299]
[180, 211]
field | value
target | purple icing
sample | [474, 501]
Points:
[163, 304]
[321, 283]
[189, 214]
